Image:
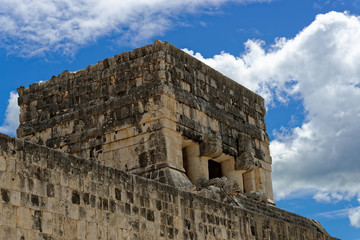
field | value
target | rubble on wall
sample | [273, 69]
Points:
[229, 191]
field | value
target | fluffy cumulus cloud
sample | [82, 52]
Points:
[11, 116]
[32, 27]
[319, 67]
[354, 217]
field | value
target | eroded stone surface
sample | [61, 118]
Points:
[150, 106]
[57, 196]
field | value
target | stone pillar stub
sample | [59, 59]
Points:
[168, 167]
[173, 142]
[256, 171]
[250, 181]
[259, 180]
[228, 171]
[196, 165]
[245, 161]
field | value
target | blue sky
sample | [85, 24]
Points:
[303, 57]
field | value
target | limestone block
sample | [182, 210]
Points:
[2, 163]
[228, 170]
[186, 86]
[21, 234]
[75, 183]
[102, 233]
[251, 120]
[53, 205]
[268, 185]
[211, 147]
[265, 165]
[170, 103]
[11, 181]
[40, 188]
[70, 228]
[173, 141]
[47, 223]
[8, 215]
[245, 160]
[197, 166]
[91, 231]
[112, 233]
[64, 179]
[7, 232]
[167, 123]
[90, 214]
[58, 224]
[15, 198]
[250, 181]
[124, 234]
[23, 217]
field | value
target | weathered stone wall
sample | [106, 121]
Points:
[83, 112]
[146, 109]
[223, 116]
[51, 195]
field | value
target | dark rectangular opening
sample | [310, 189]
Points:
[214, 169]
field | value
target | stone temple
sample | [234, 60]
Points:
[148, 144]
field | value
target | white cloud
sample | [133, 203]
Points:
[319, 66]
[354, 217]
[326, 197]
[335, 214]
[12, 116]
[352, 213]
[32, 27]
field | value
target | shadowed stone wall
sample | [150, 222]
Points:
[51, 195]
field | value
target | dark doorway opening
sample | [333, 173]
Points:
[214, 169]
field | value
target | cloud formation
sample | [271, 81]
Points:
[11, 116]
[353, 213]
[33, 27]
[354, 217]
[319, 67]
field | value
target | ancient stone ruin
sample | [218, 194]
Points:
[148, 144]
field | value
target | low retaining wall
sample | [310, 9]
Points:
[47, 194]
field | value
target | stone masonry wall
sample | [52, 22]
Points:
[230, 115]
[83, 112]
[51, 195]
[148, 107]
[119, 89]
